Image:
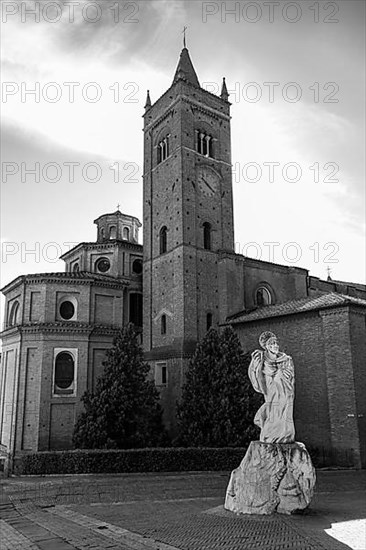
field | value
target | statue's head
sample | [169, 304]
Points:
[269, 342]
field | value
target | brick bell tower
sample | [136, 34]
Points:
[187, 223]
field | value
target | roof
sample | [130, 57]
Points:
[185, 69]
[301, 305]
[118, 213]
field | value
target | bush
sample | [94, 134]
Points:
[130, 460]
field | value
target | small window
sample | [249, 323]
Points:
[113, 232]
[163, 324]
[76, 268]
[163, 148]
[137, 267]
[263, 296]
[126, 233]
[103, 265]
[163, 240]
[161, 374]
[208, 321]
[67, 310]
[14, 314]
[207, 236]
[64, 374]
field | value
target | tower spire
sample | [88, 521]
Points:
[148, 100]
[185, 70]
[224, 93]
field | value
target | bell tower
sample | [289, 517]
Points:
[187, 222]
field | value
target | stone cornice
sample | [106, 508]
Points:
[206, 109]
[62, 327]
[194, 89]
[10, 331]
[194, 103]
[81, 278]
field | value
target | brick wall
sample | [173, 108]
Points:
[340, 382]
[358, 347]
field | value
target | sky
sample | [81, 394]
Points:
[295, 72]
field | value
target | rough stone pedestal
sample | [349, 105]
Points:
[272, 477]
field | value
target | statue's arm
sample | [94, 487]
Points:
[255, 371]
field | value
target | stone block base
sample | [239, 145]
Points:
[272, 477]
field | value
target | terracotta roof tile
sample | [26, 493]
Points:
[301, 305]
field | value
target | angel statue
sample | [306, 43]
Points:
[271, 372]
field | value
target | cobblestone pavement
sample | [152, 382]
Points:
[172, 512]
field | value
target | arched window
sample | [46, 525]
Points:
[113, 232]
[76, 268]
[208, 321]
[163, 324]
[207, 236]
[102, 234]
[64, 374]
[163, 240]
[204, 144]
[126, 233]
[263, 297]
[163, 149]
[14, 314]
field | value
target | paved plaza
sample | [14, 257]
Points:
[172, 512]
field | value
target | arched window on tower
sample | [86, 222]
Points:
[263, 296]
[163, 240]
[126, 233]
[204, 144]
[163, 324]
[164, 148]
[113, 232]
[207, 236]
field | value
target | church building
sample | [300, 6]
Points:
[185, 279]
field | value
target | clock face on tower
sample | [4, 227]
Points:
[208, 181]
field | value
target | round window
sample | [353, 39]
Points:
[67, 310]
[103, 265]
[137, 266]
[64, 370]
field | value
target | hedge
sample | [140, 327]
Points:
[173, 459]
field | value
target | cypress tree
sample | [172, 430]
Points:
[124, 410]
[218, 402]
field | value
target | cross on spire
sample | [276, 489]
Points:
[184, 36]
[118, 205]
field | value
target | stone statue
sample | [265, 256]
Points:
[271, 372]
[276, 473]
